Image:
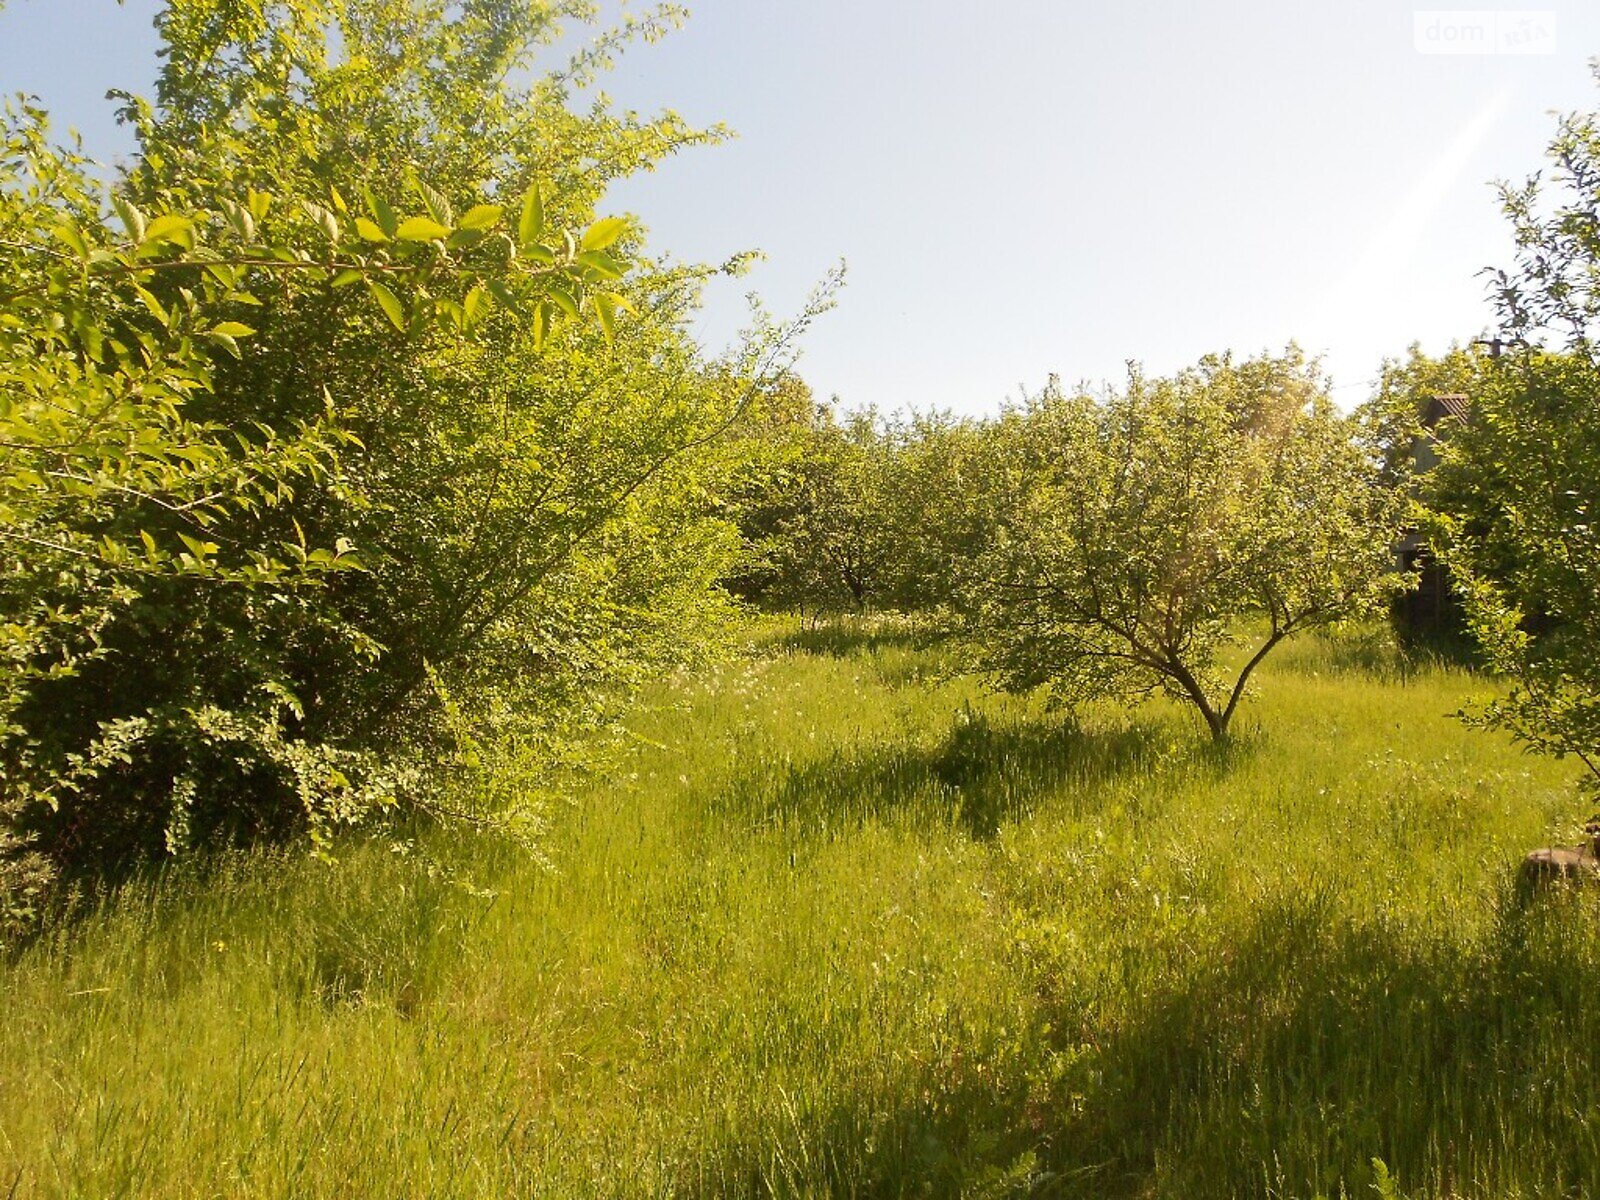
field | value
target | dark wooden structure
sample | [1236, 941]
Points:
[1431, 612]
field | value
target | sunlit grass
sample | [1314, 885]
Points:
[845, 925]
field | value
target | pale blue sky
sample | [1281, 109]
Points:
[1031, 186]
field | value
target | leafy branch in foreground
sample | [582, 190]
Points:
[126, 497]
[332, 449]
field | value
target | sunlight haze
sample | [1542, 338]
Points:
[1031, 187]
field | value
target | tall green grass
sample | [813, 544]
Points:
[844, 925]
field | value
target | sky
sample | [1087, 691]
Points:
[1028, 187]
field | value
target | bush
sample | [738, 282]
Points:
[300, 434]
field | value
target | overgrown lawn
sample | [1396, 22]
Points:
[844, 925]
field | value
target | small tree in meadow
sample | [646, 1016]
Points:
[1144, 536]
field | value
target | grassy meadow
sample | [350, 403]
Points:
[844, 924]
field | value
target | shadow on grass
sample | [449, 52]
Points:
[848, 637]
[980, 776]
[958, 1130]
[1310, 1046]
[1304, 1050]
[1375, 653]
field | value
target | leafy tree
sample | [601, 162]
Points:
[304, 457]
[1390, 421]
[836, 547]
[761, 494]
[492, 466]
[1515, 502]
[134, 519]
[852, 514]
[933, 508]
[1404, 452]
[1141, 534]
[1518, 490]
[811, 502]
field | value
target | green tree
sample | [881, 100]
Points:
[812, 505]
[1403, 426]
[933, 508]
[1141, 534]
[1391, 421]
[761, 494]
[304, 457]
[1515, 504]
[123, 502]
[1518, 491]
[493, 470]
[837, 547]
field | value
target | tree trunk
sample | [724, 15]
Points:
[1216, 722]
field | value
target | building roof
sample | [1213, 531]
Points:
[1446, 404]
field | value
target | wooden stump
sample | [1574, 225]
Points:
[1560, 864]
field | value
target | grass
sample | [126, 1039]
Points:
[843, 926]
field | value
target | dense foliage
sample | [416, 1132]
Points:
[336, 433]
[1140, 534]
[303, 450]
[1517, 493]
[1098, 545]
[853, 511]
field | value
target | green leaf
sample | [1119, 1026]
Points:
[421, 229]
[605, 307]
[502, 293]
[326, 221]
[240, 219]
[89, 336]
[481, 216]
[370, 231]
[258, 203]
[603, 233]
[227, 342]
[233, 329]
[601, 263]
[382, 213]
[451, 315]
[438, 207]
[564, 299]
[474, 305]
[132, 219]
[68, 233]
[539, 254]
[201, 550]
[346, 277]
[541, 325]
[532, 223]
[389, 302]
[147, 298]
[462, 239]
[169, 228]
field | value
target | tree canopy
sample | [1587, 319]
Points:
[338, 414]
[1142, 534]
